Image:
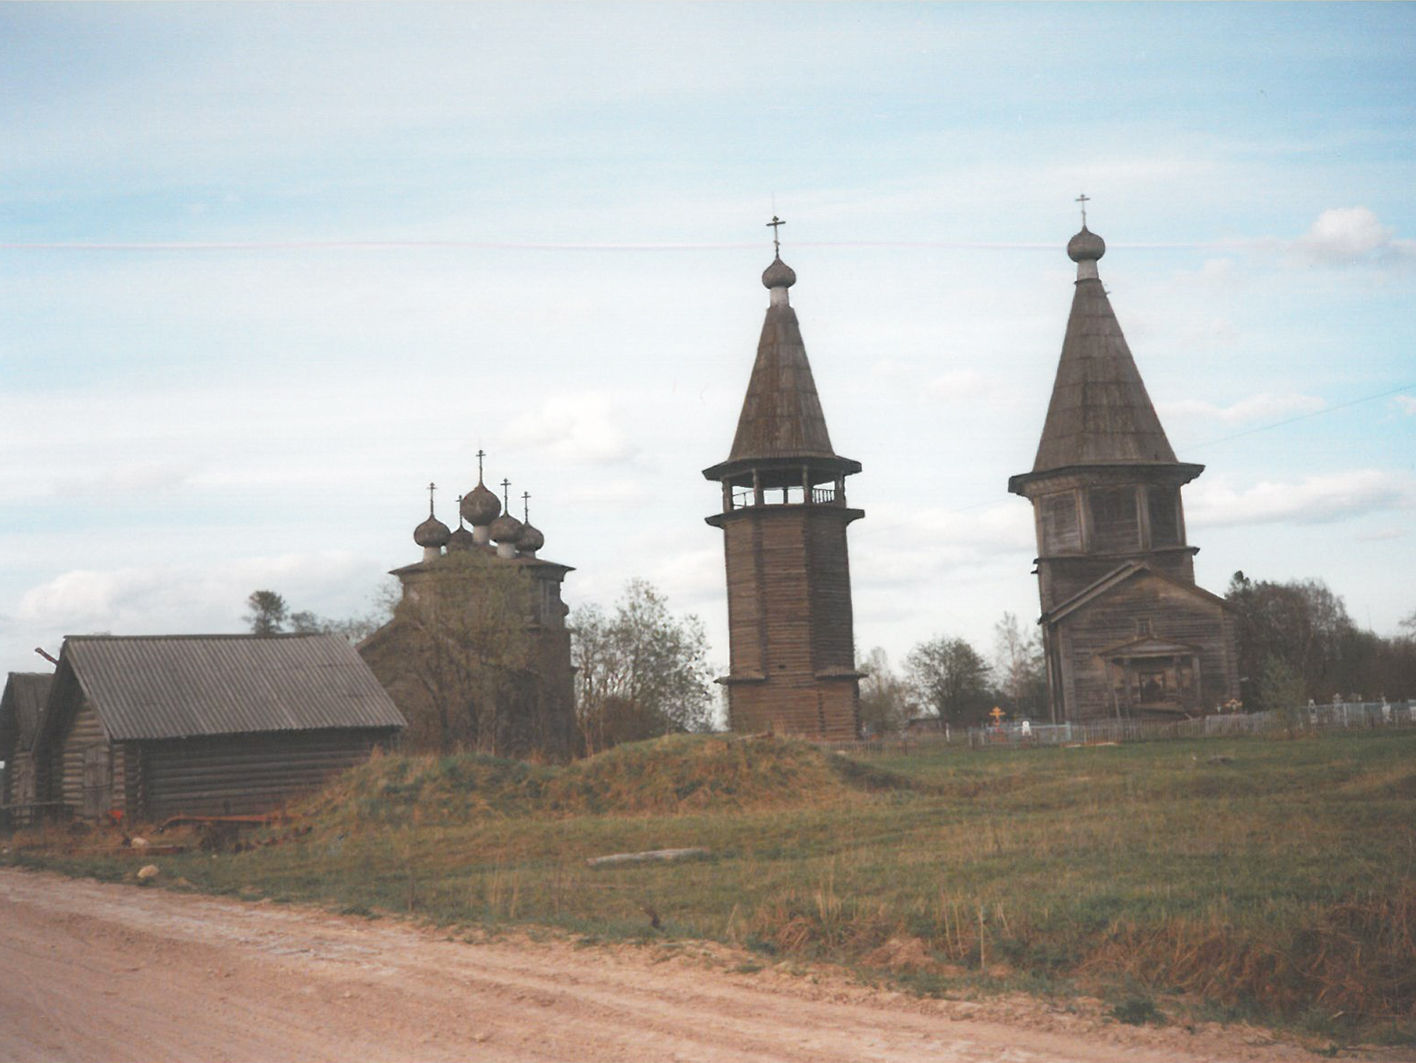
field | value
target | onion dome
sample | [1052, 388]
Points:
[778, 275]
[480, 506]
[461, 539]
[1086, 246]
[530, 539]
[506, 529]
[431, 534]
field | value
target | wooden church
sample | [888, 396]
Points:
[784, 518]
[1126, 632]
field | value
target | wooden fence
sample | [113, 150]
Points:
[1341, 716]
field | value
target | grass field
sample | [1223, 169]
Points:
[1273, 880]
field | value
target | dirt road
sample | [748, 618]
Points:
[113, 973]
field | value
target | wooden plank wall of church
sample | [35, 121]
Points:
[1175, 616]
[772, 620]
[244, 774]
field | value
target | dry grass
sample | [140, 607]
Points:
[1273, 879]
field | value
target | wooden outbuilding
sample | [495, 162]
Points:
[21, 715]
[1126, 631]
[784, 518]
[157, 726]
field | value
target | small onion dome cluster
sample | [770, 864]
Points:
[778, 275]
[480, 506]
[1086, 246]
[431, 534]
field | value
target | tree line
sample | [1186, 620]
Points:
[641, 670]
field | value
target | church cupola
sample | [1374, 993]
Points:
[480, 506]
[461, 538]
[506, 529]
[784, 518]
[432, 535]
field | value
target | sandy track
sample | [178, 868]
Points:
[113, 973]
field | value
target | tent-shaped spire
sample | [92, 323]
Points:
[1100, 413]
[781, 422]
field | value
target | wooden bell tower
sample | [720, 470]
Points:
[784, 519]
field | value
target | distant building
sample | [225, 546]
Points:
[477, 655]
[1125, 630]
[156, 726]
[21, 716]
[784, 520]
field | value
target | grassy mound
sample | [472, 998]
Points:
[669, 775]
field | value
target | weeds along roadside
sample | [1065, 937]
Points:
[1271, 879]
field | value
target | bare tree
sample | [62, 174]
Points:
[467, 651]
[886, 701]
[1018, 667]
[639, 672]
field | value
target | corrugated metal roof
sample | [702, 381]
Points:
[24, 699]
[176, 686]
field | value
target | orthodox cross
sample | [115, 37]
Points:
[525, 508]
[480, 455]
[505, 485]
[775, 225]
[1083, 199]
[431, 488]
[459, 509]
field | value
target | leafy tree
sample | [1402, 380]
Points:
[1019, 668]
[949, 677]
[886, 702]
[1302, 623]
[1281, 689]
[640, 671]
[266, 613]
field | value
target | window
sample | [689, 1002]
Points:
[1115, 522]
[1164, 516]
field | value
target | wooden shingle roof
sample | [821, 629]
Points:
[179, 686]
[1100, 413]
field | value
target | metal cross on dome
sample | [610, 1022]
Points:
[431, 488]
[1083, 199]
[525, 506]
[775, 225]
[480, 455]
[505, 486]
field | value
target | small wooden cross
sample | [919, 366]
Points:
[1083, 199]
[775, 225]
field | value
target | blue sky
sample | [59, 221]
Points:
[266, 270]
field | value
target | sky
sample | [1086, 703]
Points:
[267, 270]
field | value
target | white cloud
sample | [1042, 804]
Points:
[184, 598]
[579, 429]
[1314, 500]
[1346, 235]
[1261, 407]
